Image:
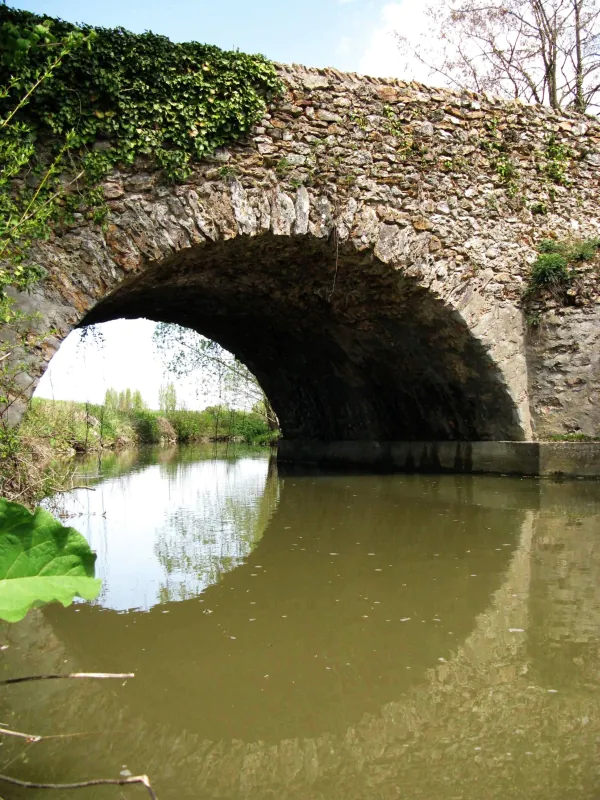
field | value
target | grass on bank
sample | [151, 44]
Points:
[65, 426]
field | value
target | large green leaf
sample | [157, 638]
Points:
[41, 561]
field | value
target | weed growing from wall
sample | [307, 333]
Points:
[505, 168]
[553, 270]
[549, 271]
[557, 157]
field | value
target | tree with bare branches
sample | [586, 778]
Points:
[540, 51]
[186, 353]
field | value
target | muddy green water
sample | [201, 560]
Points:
[319, 636]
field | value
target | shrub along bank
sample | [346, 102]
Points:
[83, 427]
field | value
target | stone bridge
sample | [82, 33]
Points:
[364, 252]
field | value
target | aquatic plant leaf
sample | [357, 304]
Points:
[41, 561]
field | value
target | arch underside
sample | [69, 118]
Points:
[345, 346]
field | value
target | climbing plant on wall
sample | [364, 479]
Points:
[35, 192]
[69, 113]
[134, 94]
[31, 190]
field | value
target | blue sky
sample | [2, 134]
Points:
[352, 35]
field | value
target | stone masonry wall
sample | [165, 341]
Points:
[451, 192]
[564, 371]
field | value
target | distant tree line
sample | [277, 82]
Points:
[126, 400]
[132, 400]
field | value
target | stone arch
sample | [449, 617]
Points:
[347, 346]
[351, 173]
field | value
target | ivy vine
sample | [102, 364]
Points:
[139, 94]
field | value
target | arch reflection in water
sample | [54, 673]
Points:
[357, 586]
[384, 639]
[166, 531]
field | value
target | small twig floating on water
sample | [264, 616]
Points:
[33, 738]
[118, 675]
[30, 737]
[84, 784]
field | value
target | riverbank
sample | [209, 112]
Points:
[66, 427]
[36, 460]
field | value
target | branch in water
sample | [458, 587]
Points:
[83, 784]
[32, 738]
[71, 488]
[118, 675]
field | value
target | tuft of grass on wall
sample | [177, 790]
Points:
[550, 271]
[553, 268]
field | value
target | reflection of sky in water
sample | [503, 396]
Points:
[422, 637]
[170, 531]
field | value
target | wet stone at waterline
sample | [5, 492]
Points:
[322, 636]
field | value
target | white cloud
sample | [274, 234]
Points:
[382, 57]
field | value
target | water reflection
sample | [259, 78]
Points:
[165, 531]
[387, 637]
[356, 587]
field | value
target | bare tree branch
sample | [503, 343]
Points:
[542, 51]
[118, 675]
[186, 353]
[143, 779]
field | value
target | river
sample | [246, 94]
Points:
[318, 636]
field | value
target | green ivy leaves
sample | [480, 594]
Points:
[75, 102]
[33, 191]
[143, 94]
